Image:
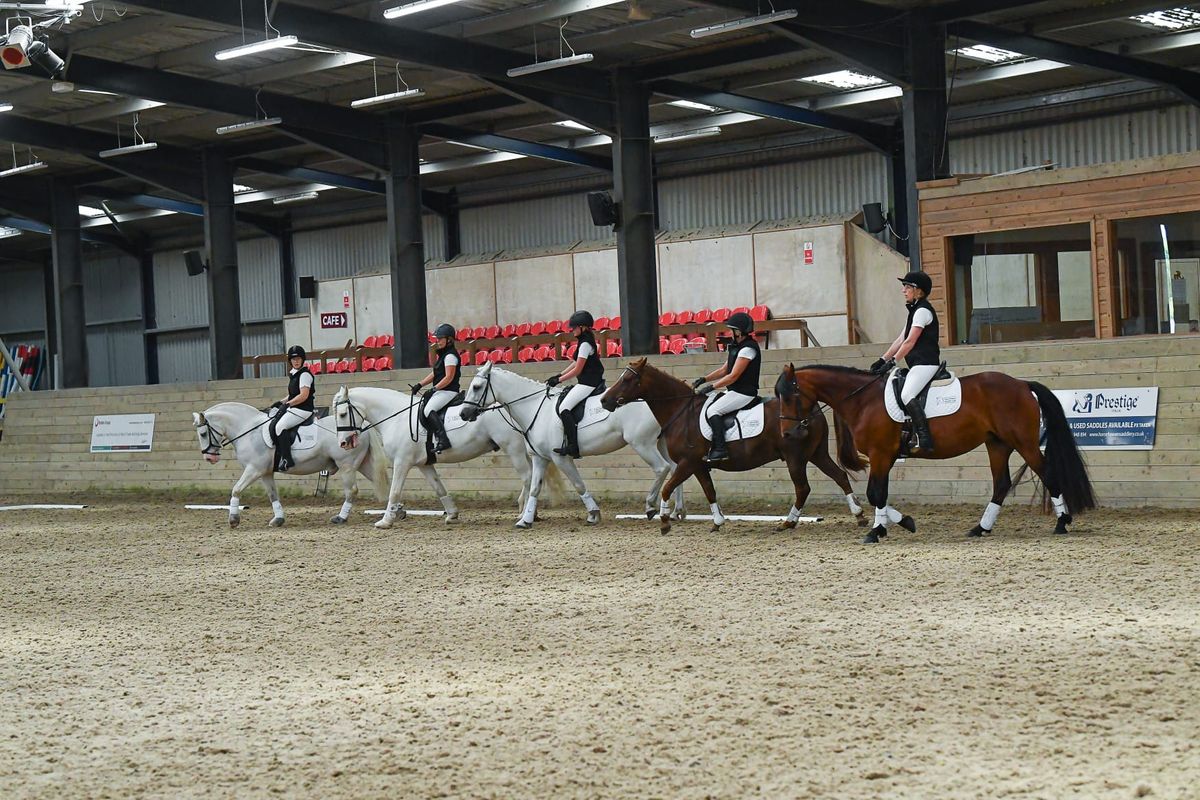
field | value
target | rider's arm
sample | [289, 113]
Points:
[451, 371]
[907, 345]
[573, 370]
[739, 366]
[719, 372]
[428, 379]
[891, 351]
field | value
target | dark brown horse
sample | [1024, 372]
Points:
[677, 410]
[998, 411]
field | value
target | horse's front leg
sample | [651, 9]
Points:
[349, 492]
[683, 470]
[395, 509]
[877, 495]
[249, 475]
[538, 472]
[798, 471]
[568, 468]
[435, 482]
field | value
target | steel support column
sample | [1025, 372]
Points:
[924, 112]
[898, 193]
[220, 238]
[633, 181]
[406, 250]
[66, 247]
[149, 317]
[51, 322]
[287, 269]
[453, 223]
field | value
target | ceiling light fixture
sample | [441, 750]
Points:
[8, 233]
[294, 198]
[16, 169]
[985, 52]
[554, 63]
[844, 79]
[139, 144]
[745, 22]
[679, 136]
[1172, 19]
[691, 104]
[573, 125]
[264, 46]
[415, 8]
[239, 127]
[5, 107]
[379, 99]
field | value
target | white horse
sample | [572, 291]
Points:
[531, 404]
[242, 426]
[394, 416]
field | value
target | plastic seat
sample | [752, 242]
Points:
[554, 326]
[523, 329]
[537, 328]
[722, 314]
[684, 318]
[508, 356]
[351, 365]
[664, 345]
[677, 345]
[614, 324]
[497, 355]
[315, 368]
[698, 341]
[493, 332]
[602, 324]
[760, 313]
[614, 348]
[571, 350]
[383, 363]
[742, 310]
[368, 365]
[525, 354]
[541, 352]
[371, 341]
[666, 318]
[703, 315]
[509, 331]
[481, 357]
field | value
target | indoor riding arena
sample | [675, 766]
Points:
[599, 399]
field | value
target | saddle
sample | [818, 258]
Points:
[901, 375]
[579, 409]
[430, 456]
[745, 423]
[289, 437]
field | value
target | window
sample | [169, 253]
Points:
[1016, 286]
[1156, 283]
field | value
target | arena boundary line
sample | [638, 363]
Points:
[42, 507]
[728, 517]
[210, 507]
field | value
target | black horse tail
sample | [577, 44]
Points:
[848, 455]
[1064, 468]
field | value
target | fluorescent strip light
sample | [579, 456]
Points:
[554, 63]
[239, 188]
[124, 151]
[681, 135]
[97, 91]
[985, 52]
[415, 8]
[691, 104]
[387, 98]
[8, 233]
[573, 125]
[61, 87]
[1172, 19]
[30, 167]
[844, 79]
[238, 127]
[5, 107]
[745, 22]
[257, 47]
[90, 212]
[294, 198]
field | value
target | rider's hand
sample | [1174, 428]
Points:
[553, 381]
[880, 366]
[704, 388]
[696, 384]
[277, 404]
[415, 388]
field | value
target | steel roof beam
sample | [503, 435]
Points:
[508, 144]
[961, 9]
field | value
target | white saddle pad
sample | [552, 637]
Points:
[593, 412]
[306, 436]
[750, 424]
[942, 400]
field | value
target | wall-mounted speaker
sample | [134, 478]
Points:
[195, 262]
[604, 209]
[873, 219]
[964, 249]
[308, 286]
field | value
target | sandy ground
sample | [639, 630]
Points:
[150, 652]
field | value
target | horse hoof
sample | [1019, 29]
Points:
[873, 536]
[680, 515]
[715, 528]
[338, 520]
[1060, 527]
[908, 523]
[649, 513]
[235, 521]
[537, 517]
[383, 524]
[276, 522]
[523, 525]
[593, 517]
[664, 525]
[976, 532]
[786, 525]
[862, 520]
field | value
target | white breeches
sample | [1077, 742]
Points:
[725, 403]
[440, 399]
[291, 419]
[576, 395]
[918, 378]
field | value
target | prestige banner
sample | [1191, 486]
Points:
[1111, 419]
[125, 433]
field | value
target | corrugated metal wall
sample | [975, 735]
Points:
[259, 287]
[22, 302]
[112, 296]
[528, 223]
[183, 357]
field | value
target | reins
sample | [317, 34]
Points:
[504, 406]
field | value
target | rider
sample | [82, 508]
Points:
[588, 369]
[738, 377]
[295, 409]
[444, 378]
[918, 346]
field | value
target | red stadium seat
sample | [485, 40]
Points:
[383, 363]
[523, 329]
[368, 365]
[508, 356]
[614, 324]
[315, 368]
[571, 350]
[351, 365]
[371, 341]
[677, 345]
[666, 318]
[386, 340]
[602, 324]
[554, 326]
[493, 332]
[684, 318]
[537, 328]
[664, 345]
[481, 357]
[614, 348]
[542, 353]
[703, 315]
[698, 341]
[497, 355]
[431, 337]
[525, 354]
[742, 310]
[479, 333]
[722, 314]
[760, 313]
[509, 331]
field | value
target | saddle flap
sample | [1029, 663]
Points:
[938, 400]
[582, 408]
[748, 422]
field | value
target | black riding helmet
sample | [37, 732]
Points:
[740, 322]
[581, 319]
[920, 280]
[296, 351]
[445, 331]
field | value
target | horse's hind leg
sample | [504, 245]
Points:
[824, 462]
[877, 495]
[1037, 462]
[662, 471]
[568, 468]
[704, 477]
[998, 453]
[273, 494]
[435, 482]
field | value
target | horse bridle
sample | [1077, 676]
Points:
[214, 446]
[818, 406]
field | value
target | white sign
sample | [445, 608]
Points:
[114, 433]
[1111, 419]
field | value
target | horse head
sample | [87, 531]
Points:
[346, 419]
[795, 405]
[210, 448]
[627, 388]
[476, 395]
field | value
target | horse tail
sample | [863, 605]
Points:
[1064, 466]
[847, 451]
[379, 465]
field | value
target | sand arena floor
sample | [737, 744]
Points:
[150, 652]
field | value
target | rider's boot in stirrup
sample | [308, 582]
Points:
[920, 425]
[571, 433]
[437, 426]
[283, 455]
[719, 450]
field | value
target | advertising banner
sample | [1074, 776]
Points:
[1111, 419]
[126, 433]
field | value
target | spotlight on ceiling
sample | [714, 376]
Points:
[21, 48]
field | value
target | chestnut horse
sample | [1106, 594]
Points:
[998, 411]
[677, 410]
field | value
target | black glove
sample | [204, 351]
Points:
[696, 384]
[415, 389]
[881, 366]
[553, 381]
[704, 388]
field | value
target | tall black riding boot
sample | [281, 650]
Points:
[719, 450]
[283, 452]
[920, 425]
[437, 426]
[571, 432]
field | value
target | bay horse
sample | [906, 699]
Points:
[998, 411]
[677, 410]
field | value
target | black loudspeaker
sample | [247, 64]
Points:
[604, 209]
[308, 286]
[873, 219]
[195, 262]
[964, 249]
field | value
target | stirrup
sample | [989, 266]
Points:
[713, 456]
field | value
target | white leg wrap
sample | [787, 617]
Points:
[988, 520]
[589, 502]
[855, 508]
[277, 507]
[345, 512]
[235, 505]
[893, 515]
[448, 504]
[793, 515]
[881, 517]
[1060, 505]
[664, 508]
[718, 517]
[530, 510]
